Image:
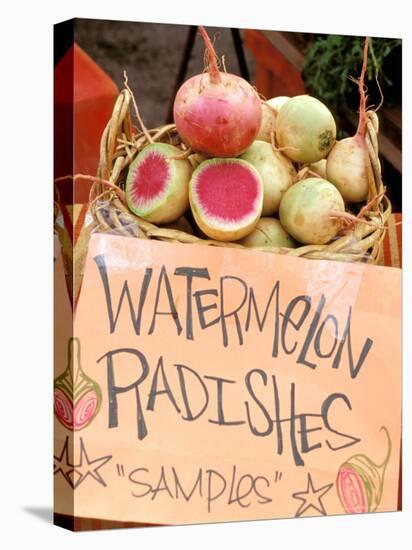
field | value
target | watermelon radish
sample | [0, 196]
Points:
[226, 197]
[305, 129]
[217, 114]
[319, 168]
[277, 173]
[157, 183]
[267, 126]
[307, 209]
[268, 232]
[270, 110]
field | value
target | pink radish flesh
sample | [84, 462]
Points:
[228, 192]
[351, 491]
[63, 408]
[226, 198]
[157, 183]
[217, 114]
[150, 178]
[84, 409]
[75, 415]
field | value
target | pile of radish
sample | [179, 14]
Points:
[261, 173]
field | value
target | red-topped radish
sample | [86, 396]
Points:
[217, 114]
[157, 183]
[226, 197]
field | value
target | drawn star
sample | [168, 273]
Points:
[311, 498]
[74, 473]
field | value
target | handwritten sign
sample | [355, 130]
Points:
[213, 384]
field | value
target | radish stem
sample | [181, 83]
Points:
[215, 77]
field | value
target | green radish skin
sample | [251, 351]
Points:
[276, 170]
[220, 226]
[268, 124]
[305, 129]
[277, 102]
[319, 168]
[270, 110]
[173, 199]
[306, 209]
[346, 169]
[268, 232]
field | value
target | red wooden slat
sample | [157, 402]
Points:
[285, 78]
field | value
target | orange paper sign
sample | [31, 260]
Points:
[212, 384]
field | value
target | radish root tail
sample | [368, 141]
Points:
[349, 220]
[362, 92]
[95, 179]
[139, 118]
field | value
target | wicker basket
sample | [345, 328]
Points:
[120, 144]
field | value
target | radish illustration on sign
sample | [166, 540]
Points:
[360, 482]
[77, 398]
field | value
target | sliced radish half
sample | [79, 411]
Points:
[226, 197]
[157, 183]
